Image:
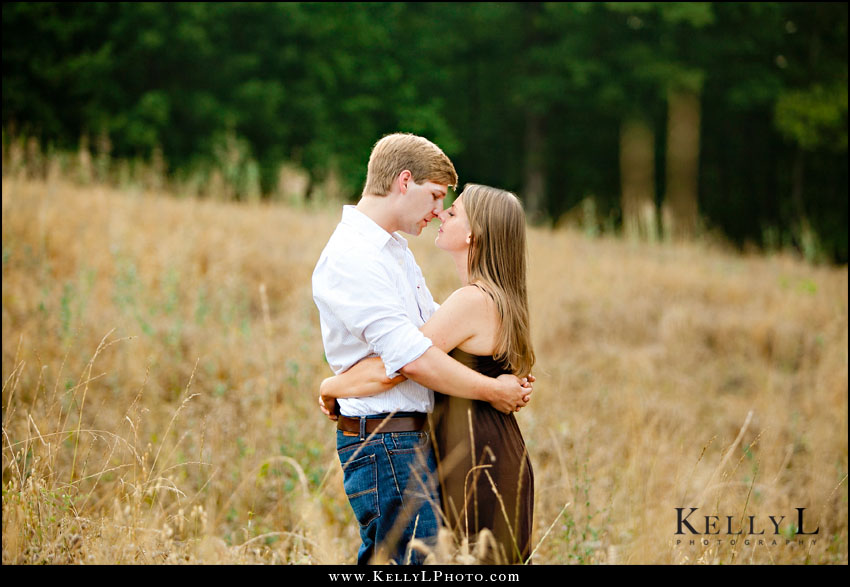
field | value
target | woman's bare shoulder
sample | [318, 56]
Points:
[464, 310]
[469, 297]
[474, 306]
[477, 315]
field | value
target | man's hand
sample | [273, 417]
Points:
[528, 384]
[512, 393]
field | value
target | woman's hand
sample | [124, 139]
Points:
[329, 407]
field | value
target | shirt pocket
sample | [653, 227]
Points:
[424, 301]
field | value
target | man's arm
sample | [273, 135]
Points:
[438, 371]
[365, 300]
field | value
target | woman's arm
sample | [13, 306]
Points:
[365, 378]
[469, 316]
[362, 379]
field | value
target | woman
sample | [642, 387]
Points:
[485, 473]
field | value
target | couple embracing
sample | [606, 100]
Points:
[424, 394]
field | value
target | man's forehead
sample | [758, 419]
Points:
[440, 187]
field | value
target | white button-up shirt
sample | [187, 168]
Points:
[372, 299]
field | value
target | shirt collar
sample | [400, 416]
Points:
[368, 228]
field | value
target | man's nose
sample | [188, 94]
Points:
[438, 209]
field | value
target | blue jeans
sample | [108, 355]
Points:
[390, 481]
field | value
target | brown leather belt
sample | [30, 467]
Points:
[389, 424]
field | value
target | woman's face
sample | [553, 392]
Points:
[454, 234]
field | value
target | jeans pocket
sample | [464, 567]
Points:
[360, 480]
[409, 442]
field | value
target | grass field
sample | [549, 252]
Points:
[161, 357]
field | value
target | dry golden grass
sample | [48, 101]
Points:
[161, 358]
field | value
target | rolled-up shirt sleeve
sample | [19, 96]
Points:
[362, 296]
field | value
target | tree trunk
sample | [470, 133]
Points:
[534, 186]
[680, 208]
[637, 180]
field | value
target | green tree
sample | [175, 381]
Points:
[562, 103]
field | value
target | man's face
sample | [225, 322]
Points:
[422, 203]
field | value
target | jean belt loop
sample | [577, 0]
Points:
[362, 428]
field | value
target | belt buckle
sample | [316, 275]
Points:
[362, 428]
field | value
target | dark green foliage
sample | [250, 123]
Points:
[318, 83]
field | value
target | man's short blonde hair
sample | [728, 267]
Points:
[396, 152]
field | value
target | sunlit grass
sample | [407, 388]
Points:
[161, 358]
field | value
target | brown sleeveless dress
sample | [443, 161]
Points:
[485, 473]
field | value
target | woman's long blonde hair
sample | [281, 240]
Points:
[497, 262]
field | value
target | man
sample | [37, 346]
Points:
[372, 299]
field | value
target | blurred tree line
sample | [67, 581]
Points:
[660, 120]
